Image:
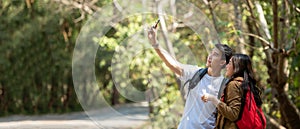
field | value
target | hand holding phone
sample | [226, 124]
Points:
[152, 34]
[155, 26]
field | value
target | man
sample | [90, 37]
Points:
[197, 114]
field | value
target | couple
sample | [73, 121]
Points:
[202, 102]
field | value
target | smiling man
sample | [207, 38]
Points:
[197, 114]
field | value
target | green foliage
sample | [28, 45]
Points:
[228, 33]
[295, 78]
[36, 59]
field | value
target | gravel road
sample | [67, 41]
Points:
[130, 116]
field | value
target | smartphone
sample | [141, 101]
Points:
[156, 24]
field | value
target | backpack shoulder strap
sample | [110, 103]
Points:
[222, 87]
[197, 77]
[243, 102]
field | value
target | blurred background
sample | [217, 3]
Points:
[37, 39]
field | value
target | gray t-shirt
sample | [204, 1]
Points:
[198, 114]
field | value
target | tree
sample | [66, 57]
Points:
[272, 36]
[37, 40]
[278, 50]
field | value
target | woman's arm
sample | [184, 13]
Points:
[231, 108]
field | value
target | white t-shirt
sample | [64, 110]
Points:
[198, 114]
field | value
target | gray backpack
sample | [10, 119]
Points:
[196, 79]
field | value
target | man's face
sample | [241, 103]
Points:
[214, 59]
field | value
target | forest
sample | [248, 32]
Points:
[62, 56]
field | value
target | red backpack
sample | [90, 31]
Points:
[251, 116]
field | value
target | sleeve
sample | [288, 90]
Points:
[187, 71]
[231, 108]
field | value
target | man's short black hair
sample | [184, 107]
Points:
[226, 51]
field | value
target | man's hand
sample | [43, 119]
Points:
[152, 36]
[209, 97]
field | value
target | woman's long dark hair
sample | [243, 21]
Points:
[243, 68]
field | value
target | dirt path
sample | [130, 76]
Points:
[128, 117]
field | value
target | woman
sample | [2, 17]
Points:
[241, 79]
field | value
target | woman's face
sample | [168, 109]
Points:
[229, 69]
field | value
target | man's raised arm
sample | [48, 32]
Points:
[163, 54]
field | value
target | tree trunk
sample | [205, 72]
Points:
[276, 63]
[288, 109]
[251, 39]
[115, 96]
[212, 13]
[238, 26]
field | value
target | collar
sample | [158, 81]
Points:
[239, 79]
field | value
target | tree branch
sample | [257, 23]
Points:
[275, 22]
[173, 11]
[263, 21]
[293, 5]
[82, 16]
[79, 5]
[269, 58]
[164, 28]
[211, 10]
[264, 41]
[249, 4]
[294, 41]
[86, 7]
[117, 5]
[274, 123]
[238, 26]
